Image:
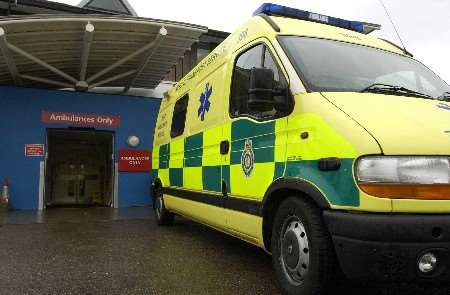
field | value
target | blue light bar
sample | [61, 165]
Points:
[279, 10]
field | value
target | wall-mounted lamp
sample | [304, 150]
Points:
[133, 141]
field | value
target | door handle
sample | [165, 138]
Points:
[224, 147]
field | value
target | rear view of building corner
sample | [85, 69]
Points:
[80, 91]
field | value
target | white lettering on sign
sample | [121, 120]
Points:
[34, 150]
[135, 158]
[103, 120]
[80, 119]
[135, 161]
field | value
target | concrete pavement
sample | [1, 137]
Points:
[106, 251]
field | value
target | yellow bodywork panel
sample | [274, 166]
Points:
[246, 225]
[176, 153]
[402, 125]
[204, 213]
[281, 139]
[192, 178]
[211, 140]
[155, 159]
[322, 140]
[163, 175]
[420, 206]
[253, 187]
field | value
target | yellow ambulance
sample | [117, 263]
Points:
[328, 148]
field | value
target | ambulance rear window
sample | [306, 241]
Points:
[179, 116]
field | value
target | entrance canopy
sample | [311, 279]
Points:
[84, 52]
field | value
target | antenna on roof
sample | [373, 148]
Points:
[395, 27]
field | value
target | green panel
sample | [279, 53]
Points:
[164, 155]
[279, 170]
[262, 155]
[194, 142]
[164, 149]
[262, 136]
[193, 162]
[193, 150]
[338, 186]
[244, 128]
[176, 176]
[226, 176]
[197, 153]
[211, 176]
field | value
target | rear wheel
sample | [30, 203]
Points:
[163, 217]
[302, 251]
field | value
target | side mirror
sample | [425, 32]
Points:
[260, 94]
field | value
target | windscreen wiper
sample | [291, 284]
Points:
[445, 96]
[383, 88]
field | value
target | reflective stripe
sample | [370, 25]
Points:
[236, 204]
[196, 164]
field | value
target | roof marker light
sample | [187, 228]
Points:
[279, 10]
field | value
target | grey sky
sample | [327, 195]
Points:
[423, 25]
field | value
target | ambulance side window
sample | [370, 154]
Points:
[179, 116]
[258, 56]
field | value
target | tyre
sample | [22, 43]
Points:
[302, 252]
[163, 216]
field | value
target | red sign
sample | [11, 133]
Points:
[80, 119]
[135, 161]
[34, 150]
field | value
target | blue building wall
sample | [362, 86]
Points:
[20, 124]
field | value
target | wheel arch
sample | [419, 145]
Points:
[281, 189]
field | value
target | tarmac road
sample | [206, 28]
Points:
[105, 251]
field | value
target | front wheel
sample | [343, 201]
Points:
[163, 217]
[302, 251]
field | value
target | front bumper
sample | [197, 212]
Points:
[387, 247]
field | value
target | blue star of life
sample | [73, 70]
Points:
[204, 102]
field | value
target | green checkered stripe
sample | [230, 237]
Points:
[338, 186]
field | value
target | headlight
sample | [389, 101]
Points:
[404, 177]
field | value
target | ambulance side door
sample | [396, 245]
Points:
[202, 158]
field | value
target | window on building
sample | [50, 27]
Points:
[179, 116]
[258, 56]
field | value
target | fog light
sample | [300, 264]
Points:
[427, 262]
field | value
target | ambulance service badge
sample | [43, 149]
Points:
[247, 158]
